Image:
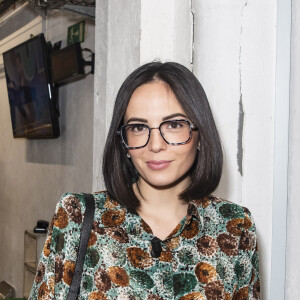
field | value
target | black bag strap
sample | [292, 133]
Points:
[84, 239]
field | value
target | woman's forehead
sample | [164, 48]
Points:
[153, 100]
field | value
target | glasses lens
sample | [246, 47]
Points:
[135, 135]
[176, 132]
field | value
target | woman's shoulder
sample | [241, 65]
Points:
[102, 200]
[70, 211]
[229, 222]
[224, 208]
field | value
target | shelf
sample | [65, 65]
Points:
[33, 246]
[31, 267]
[33, 234]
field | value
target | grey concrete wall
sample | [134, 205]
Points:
[34, 173]
[117, 40]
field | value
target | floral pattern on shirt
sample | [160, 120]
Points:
[211, 254]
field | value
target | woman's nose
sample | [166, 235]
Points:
[156, 142]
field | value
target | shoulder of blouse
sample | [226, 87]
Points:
[226, 212]
[225, 207]
[108, 212]
[102, 200]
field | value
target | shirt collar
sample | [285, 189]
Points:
[192, 213]
[114, 215]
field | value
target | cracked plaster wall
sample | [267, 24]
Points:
[235, 59]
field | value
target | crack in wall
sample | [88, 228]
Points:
[240, 150]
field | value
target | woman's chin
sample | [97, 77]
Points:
[162, 182]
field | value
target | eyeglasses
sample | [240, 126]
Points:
[174, 132]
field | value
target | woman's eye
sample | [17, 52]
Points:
[175, 125]
[138, 127]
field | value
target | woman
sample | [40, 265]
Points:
[158, 233]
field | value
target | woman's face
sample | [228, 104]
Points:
[158, 163]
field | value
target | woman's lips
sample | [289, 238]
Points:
[158, 164]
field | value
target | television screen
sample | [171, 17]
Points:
[33, 107]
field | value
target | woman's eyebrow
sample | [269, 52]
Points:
[164, 118]
[136, 120]
[173, 116]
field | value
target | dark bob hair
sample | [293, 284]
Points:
[119, 172]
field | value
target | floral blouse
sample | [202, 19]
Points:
[211, 254]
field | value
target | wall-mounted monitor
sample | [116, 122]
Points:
[31, 93]
[67, 64]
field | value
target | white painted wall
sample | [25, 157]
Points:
[293, 221]
[166, 31]
[217, 55]
[235, 60]
[281, 142]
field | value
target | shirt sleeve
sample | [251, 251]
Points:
[247, 265]
[57, 261]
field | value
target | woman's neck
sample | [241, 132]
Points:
[158, 201]
[161, 208]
